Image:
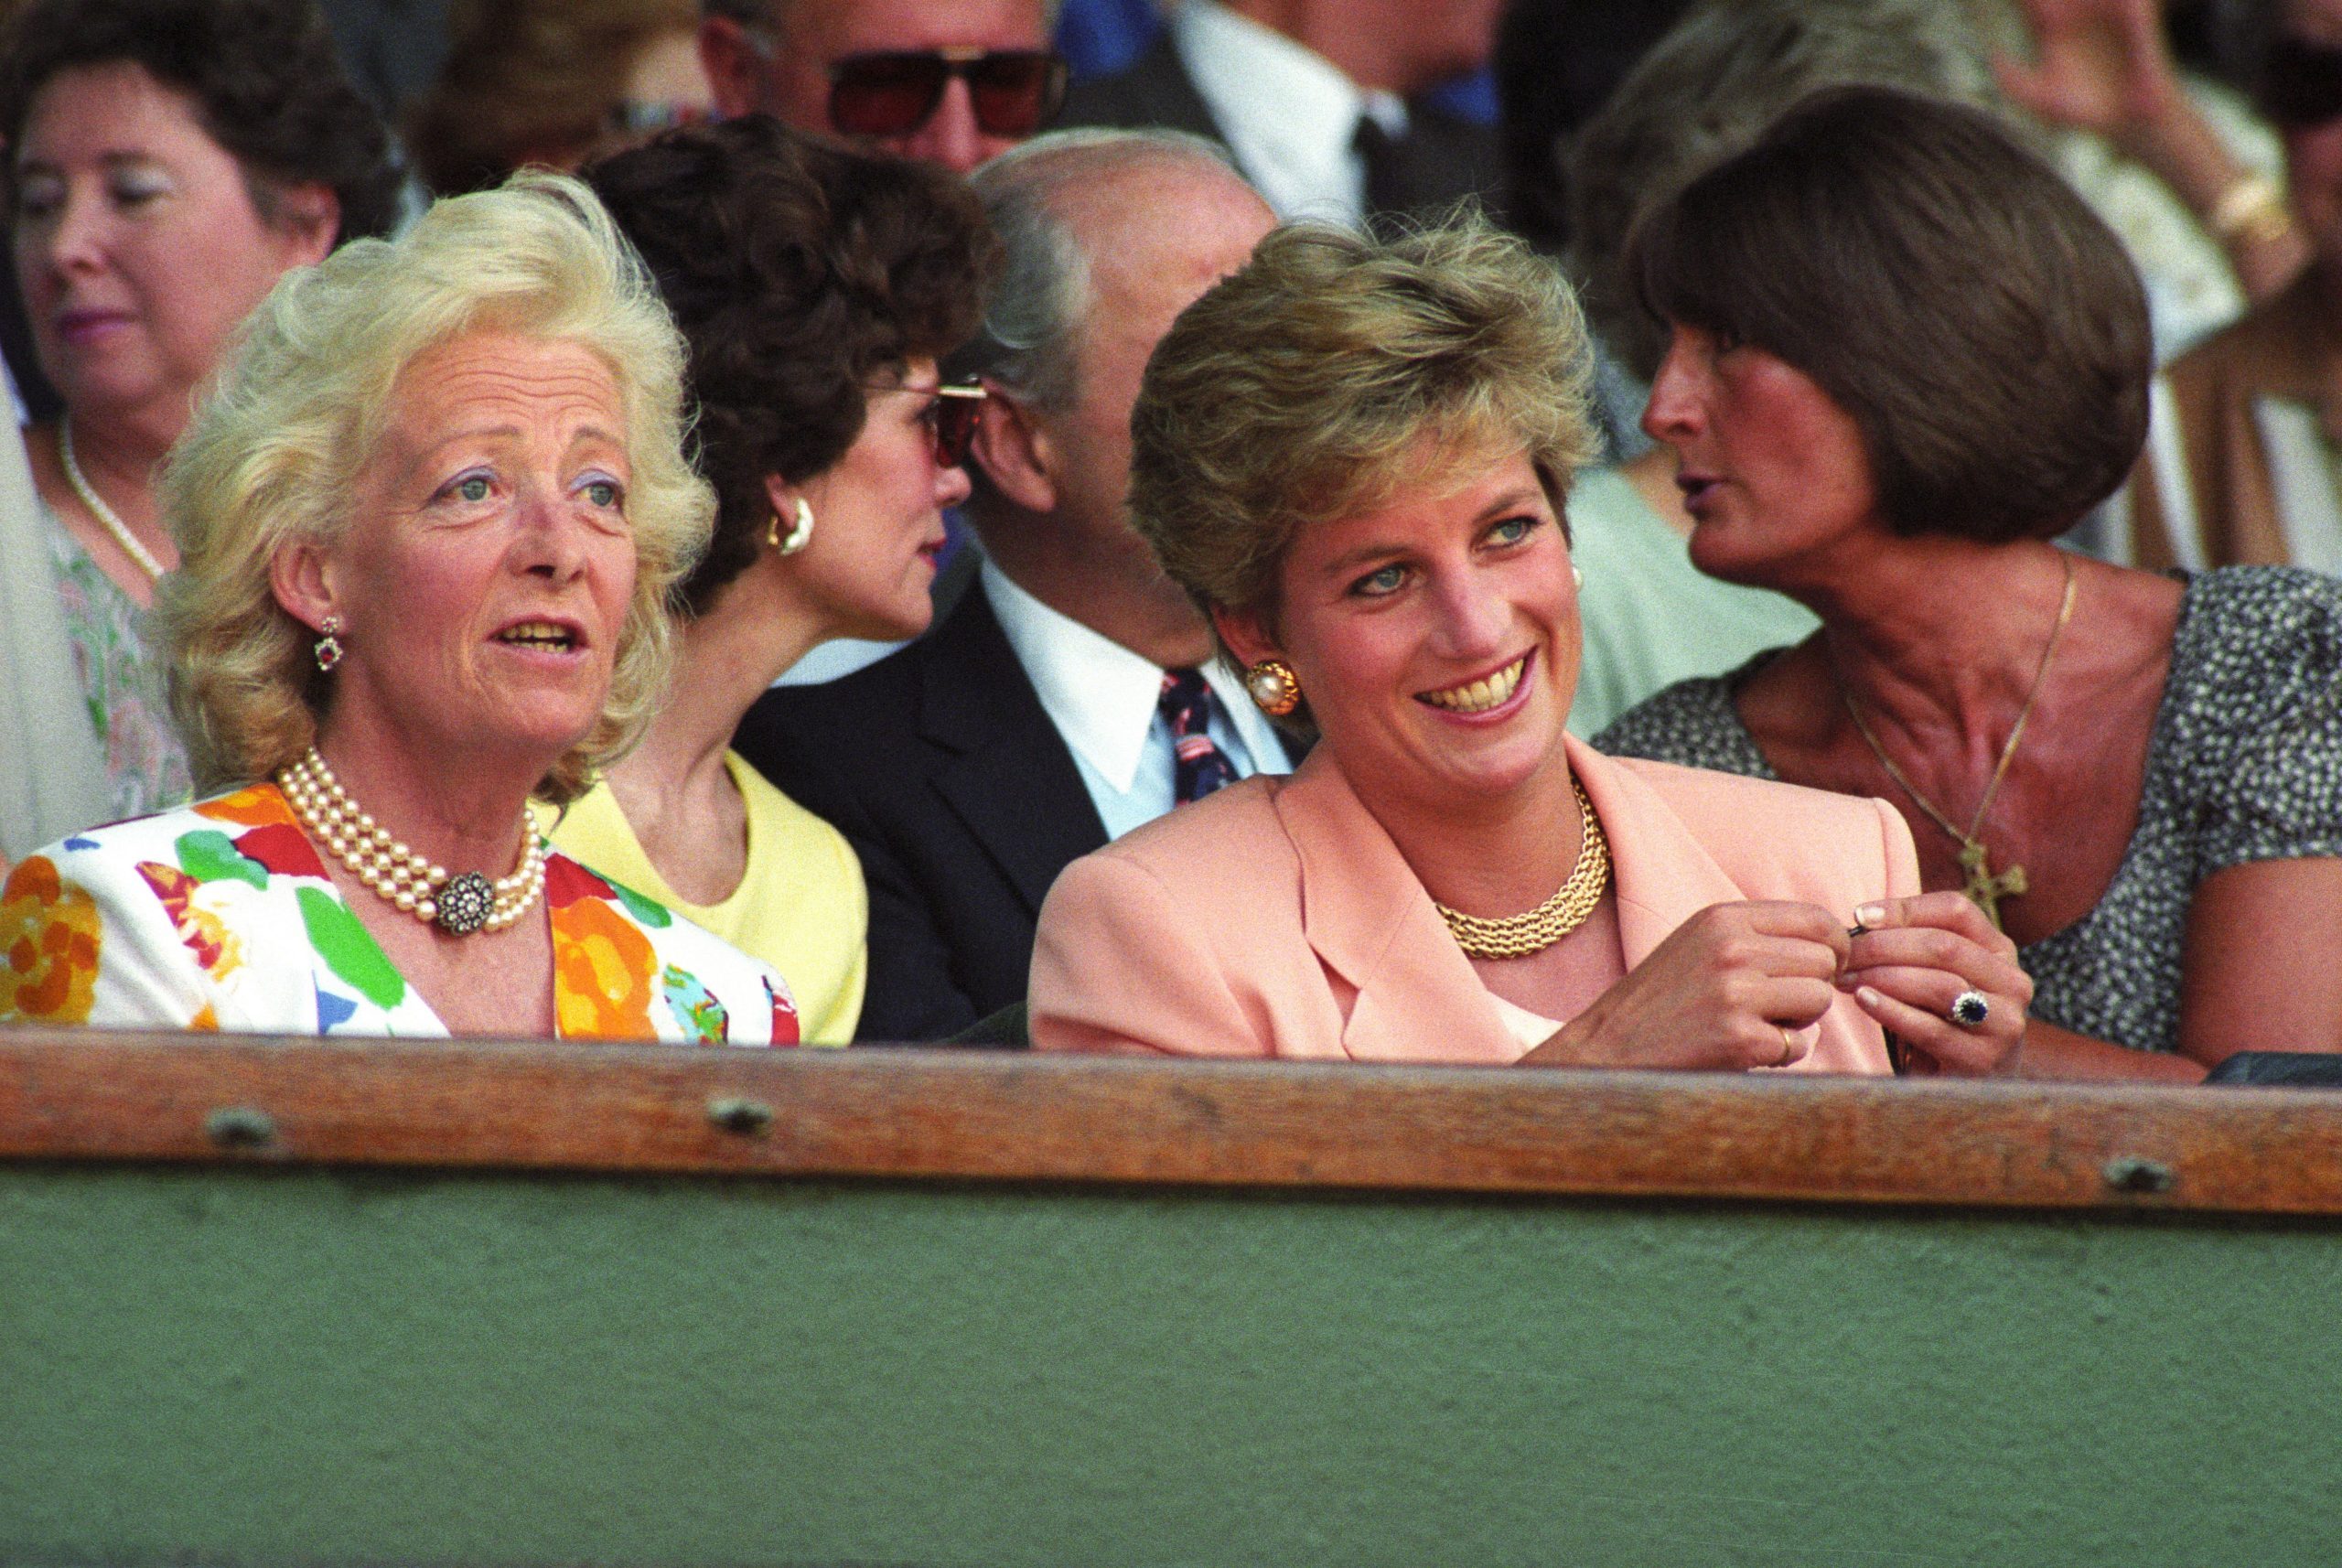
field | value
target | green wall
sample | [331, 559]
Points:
[242, 1366]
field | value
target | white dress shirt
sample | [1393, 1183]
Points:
[1288, 114]
[1104, 699]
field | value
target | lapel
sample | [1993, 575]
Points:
[1155, 90]
[1662, 874]
[1008, 776]
[1369, 922]
[1438, 161]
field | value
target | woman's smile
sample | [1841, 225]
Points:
[1485, 697]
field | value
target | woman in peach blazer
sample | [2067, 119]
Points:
[1322, 943]
[1353, 453]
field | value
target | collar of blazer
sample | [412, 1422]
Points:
[1370, 921]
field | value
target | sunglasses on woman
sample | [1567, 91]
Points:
[2301, 84]
[953, 416]
[893, 92]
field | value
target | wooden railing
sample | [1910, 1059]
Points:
[961, 1116]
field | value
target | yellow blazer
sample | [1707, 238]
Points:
[1278, 920]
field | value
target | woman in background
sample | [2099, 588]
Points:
[817, 288]
[167, 161]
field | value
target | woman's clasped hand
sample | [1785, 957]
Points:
[1943, 980]
[1740, 985]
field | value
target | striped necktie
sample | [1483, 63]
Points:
[1199, 766]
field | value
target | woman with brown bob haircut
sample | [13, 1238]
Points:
[816, 288]
[1904, 357]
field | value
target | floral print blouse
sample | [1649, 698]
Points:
[221, 916]
[146, 761]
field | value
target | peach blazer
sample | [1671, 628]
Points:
[1278, 920]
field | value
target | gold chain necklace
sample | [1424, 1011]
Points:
[1517, 936]
[1984, 889]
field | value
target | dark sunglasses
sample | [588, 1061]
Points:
[892, 93]
[2301, 84]
[952, 416]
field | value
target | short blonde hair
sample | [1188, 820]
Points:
[1301, 388]
[273, 453]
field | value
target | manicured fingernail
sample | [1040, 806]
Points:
[1871, 915]
[1868, 995]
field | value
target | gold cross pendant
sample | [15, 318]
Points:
[1984, 889]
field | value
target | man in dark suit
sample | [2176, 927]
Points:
[1060, 702]
[1319, 101]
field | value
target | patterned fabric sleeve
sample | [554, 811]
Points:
[85, 939]
[627, 968]
[2263, 688]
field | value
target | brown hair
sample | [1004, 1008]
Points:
[800, 273]
[531, 81]
[1301, 388]
[1985, 329]
[263, 76]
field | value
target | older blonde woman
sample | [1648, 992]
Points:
[428, 526]
[1355, 456]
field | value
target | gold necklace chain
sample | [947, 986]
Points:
[1983, 888]
[1517, 936]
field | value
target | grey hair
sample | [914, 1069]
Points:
[1031, 338]
[1712, 86]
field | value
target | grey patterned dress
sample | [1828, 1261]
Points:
[2245, 764]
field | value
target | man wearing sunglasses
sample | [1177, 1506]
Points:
[952, 82]
[2244, 453]
[1060, 702]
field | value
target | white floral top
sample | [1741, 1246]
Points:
[221, 916]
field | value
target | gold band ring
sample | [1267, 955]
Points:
[1788, 1046]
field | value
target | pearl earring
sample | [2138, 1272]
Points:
[1273, 687]
[798, 536]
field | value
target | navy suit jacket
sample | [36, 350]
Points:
[1443, 157]
[944, 772]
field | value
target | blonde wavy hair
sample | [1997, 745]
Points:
[301, 403]
[1302, 389]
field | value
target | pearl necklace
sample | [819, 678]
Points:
[458, 905]
[107, 517]
[1517, 935]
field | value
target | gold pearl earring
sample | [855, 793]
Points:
[1273, 687]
